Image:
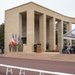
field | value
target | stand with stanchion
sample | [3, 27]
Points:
[37, 48]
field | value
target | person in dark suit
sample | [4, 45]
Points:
[47, 46]
[2, 50]
[35, 48]
[74, 49]
[64, 49]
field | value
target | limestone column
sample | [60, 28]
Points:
[20, 25]
[69, 28]
[52, 34]
[60, 35]
[42, 32]
[30, 30]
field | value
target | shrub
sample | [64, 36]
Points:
[52, 51]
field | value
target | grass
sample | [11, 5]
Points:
[52, 51]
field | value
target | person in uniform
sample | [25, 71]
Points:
[10, 46]
[15, 47]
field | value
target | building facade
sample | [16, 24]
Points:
[36, 24]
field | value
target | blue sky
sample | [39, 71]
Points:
[65, 7]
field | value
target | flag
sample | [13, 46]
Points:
[15, 38]
[13, 42]
[18, 37]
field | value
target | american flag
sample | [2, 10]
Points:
[18, 37]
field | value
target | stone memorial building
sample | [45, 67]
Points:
[35, 24]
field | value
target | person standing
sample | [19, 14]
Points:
[2, 50]
[10, 46]
[15, 47]
[68, 50]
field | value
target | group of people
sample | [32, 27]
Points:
[68, 49]
[16, 47]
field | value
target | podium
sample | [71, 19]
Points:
[38, 48]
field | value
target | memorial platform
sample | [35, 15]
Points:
[42, 56]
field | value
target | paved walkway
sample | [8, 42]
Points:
[42, 56]
[48, 65]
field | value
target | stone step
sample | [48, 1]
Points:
[42, 56]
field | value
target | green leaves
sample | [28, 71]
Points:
[1, 35]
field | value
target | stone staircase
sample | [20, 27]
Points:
[42, 56]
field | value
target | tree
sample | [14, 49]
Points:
[64, 28]
[2, 35]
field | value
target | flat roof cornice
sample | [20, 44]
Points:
[40, 6]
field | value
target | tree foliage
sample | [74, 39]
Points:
[2, 35]
[64, 28]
